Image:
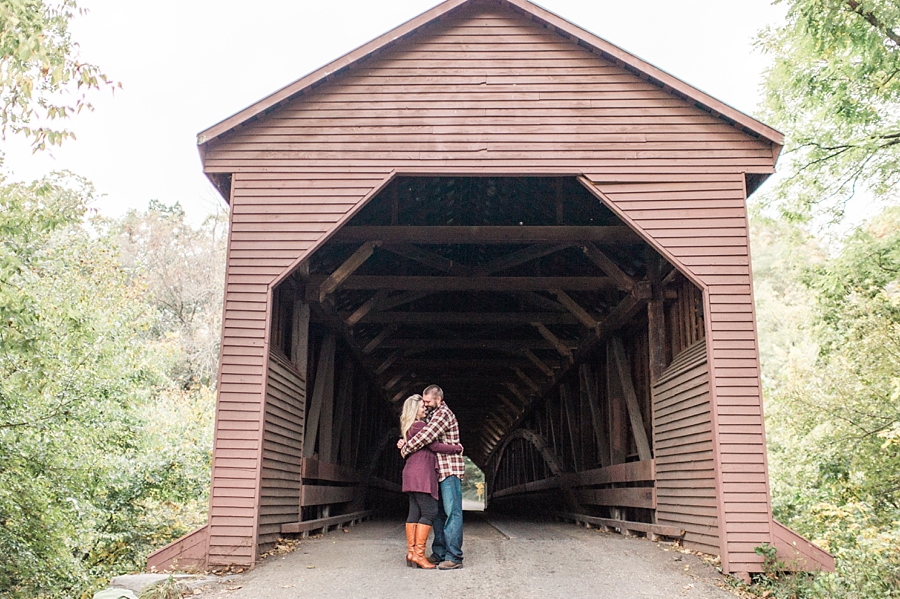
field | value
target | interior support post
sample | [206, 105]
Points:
[618, 433]
[343, 405]
[588, 384]
[634, 409]
[324, 381]
[300, 338]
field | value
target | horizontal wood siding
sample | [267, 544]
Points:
[186, 553]
[488, 90]
[682, 433]
[687, 219]
[282, 450]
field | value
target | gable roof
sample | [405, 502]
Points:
[555, 23]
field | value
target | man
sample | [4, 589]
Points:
[446, 549]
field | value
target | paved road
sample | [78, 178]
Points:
[504, 558]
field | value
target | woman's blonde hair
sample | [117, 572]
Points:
[408, 415]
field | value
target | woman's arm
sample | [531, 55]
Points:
[445, 448]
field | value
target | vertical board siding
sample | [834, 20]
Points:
[486, 90]
[685, 468]
[282, 449]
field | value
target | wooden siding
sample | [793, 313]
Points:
[187, 553]
[487, 90]
[282, 449]
[713, 249]
[685, 469]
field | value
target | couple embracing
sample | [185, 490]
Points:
[432, 477]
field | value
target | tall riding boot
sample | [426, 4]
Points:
[419, 558]
[411, 544]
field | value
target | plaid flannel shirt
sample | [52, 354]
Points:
[442, 426]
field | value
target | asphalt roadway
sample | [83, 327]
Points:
[504, 558]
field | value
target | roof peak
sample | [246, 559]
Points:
[548, 19]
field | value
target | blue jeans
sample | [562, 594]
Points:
[448, 525]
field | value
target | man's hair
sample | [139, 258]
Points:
[433, 389]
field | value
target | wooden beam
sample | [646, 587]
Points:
[389, 361]
[507, 345]
[394, 380]
[588, 387]
[491, 364]
[369, 305]
[470, 318]
[343, 402]
[300, 338]
[457, 235]
[401, 299]
[342, 272]
[573, 307]
[656, 322]
[501, 284]
[421, 256]
[634, 409]
[516, 410]
[527, 380]
[537, 362]
[536, 299]
[553, 340]
[606, 264]
[519, 395]
[517, 258]
[376, 341]
[324, 378]
[323, 494]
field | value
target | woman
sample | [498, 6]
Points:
[421, 482]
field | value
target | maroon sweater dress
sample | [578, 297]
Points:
[420, 471]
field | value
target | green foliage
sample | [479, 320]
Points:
[832, 402]
[834, 90]
[104, 454]
[41, 78]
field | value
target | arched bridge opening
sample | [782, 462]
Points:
[570, 350]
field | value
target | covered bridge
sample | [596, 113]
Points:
[494, 200]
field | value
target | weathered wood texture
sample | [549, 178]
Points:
[685, 469]
[797, 553]
[282, 449]
[187, 553]
[489, 90]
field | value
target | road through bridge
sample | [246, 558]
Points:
[505, 559]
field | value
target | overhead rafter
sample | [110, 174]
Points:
[517, 258]
[553, 340]
[440, 235]
[421, 256]
[580, 313]
[471, 318]
[380, 337]
[342, 272]
[512, 346]
[367, 306]
[441, 283]
[606, 264]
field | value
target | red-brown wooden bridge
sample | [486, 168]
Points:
[494, 200]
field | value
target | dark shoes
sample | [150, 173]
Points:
[448, 565]
[434, 559]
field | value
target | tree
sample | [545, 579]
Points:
[834, 90]
[42, 79]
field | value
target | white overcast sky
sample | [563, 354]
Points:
[187, 64]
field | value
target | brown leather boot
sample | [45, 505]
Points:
[411, 544]
[421, 538]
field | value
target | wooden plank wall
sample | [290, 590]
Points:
[487, 90]
[715, 249]
[282, 449]
[685, 468]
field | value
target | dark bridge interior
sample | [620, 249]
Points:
[544, 318]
